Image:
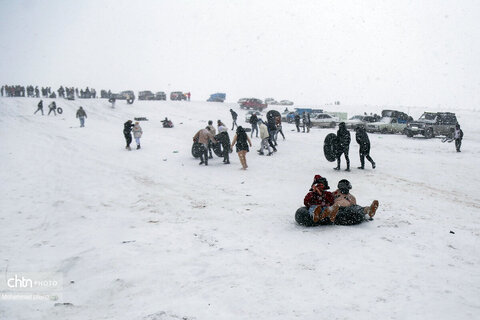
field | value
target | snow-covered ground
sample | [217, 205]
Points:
[150, 234]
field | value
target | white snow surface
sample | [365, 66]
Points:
[150, 234]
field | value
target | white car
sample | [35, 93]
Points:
[324, 120]
[249, 114]
[387, 125]
[270, 101]
[286, 103]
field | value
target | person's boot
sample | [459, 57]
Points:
[274, 149]
[261, 153]
[362, 168]
[372, 209]
[138, 146]
[329, 212]
[270, 153]
[348, 168]
[373, 165]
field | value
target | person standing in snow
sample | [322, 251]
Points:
[223, 138]
[264, 136]
[297, 121]
[253, 121]
[278, 122]
[362, 139]
[272, 129]
[137, 133]
[234, 118]
[81, 115]
[241, 140]
[213, 131]
[203, 136]
[52, 107]
[343, 136]
[127, 133]
[39, 107]
[458, 136]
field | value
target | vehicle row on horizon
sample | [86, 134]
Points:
[429, 125]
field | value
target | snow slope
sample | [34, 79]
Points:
[150, 234]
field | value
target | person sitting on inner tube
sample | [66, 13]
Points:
[319, 202]
[343, 198]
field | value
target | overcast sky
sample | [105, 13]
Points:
[421, 53]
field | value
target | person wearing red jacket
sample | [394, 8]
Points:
[319, 202]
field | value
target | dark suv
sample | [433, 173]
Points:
[255, 104]
[124, 95]
[177, 95]
[146, 95]
[160, 95]
[432, 124]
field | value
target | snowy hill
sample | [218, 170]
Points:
[150, 234]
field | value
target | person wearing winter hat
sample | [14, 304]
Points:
[137, 133]
[362, 139]
[127, 133]
[349, 212]
[343, 136]
[242, 141]
[264, 136]
[319, 202]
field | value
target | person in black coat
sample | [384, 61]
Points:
[272, 129]
[39, 107]
[297, 121]
[234, 118]
[343, 136]
[362, 139]
[253, 121]
[458, 136]
[224, 139]
[127, 132]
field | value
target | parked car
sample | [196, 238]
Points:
[324, 120]
[249, 114]
[253, 103]
[160, 95]
[242, 100]
[177, 95]
[217, 97]
[286, 103]
[146, 95]
[124, 95]
[387, 125]
[270, 101]
[432, 124]
[359, 121]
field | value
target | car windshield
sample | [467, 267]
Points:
[356, 118]
[428, 116]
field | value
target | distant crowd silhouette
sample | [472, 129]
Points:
[47, 92]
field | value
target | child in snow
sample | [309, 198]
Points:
[318, 201]
[137, 133]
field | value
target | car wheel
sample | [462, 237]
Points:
[409, 133]
[429, 133]
[384, 130]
